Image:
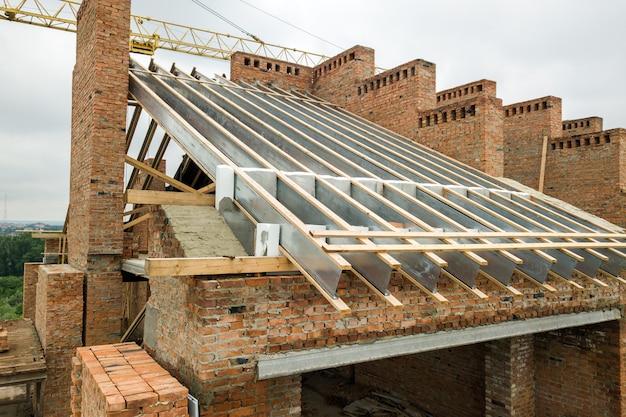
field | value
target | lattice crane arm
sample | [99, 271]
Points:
[148, 34]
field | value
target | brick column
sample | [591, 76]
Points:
[509, 377]
[58, 321]
[100, 89]
[29, 295]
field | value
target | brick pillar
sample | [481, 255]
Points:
[100, 89]
[58, 321]
[509, 377]
[29, 295]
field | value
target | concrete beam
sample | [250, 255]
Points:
[298, 362]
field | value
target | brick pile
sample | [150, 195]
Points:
[122, 380]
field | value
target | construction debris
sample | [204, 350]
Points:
[378, 404]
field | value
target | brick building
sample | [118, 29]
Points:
[532, 327]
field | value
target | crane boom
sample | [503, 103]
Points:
[148, 34]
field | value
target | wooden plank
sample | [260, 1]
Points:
[138, 210]
[509, 288]
[388, 298]
[208, 188]
[546, 287]
[133, 325]
[478, 293]
[168, 198]
[435, 295]
[594, 279]
[53, 235]
[566, 280]
[335, 301]
[158, 174]
[137, 220]
[459, 235]
[542, 169]
[170, 267]
[473, 247]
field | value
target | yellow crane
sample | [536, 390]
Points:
[147, 34]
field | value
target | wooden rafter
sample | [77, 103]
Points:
[158, 174]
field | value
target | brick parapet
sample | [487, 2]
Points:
[252, 69]
[582, 126]
[470, 131]
[466, 92]
[589, 171]
[525, 125]
[336, 80]
[122, 380]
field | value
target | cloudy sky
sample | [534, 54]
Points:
[572, 49]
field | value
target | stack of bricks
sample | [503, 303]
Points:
[122, 380]
[4, 339]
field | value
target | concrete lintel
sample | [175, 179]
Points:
[298, 362]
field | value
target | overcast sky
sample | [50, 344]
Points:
[571, 49]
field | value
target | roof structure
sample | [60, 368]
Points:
[348, 195]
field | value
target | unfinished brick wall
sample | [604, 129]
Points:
[58, 320]
[122, 380]
[589, 171]
[525, 125]
[209, 332]
[100, 89]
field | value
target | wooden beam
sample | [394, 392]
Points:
[171, 267]
[546, 287]
[542, 169]
[509, 288]
[460, 235]
[596, 280]
[478, 293]
[158, 174]
[138, 210]
[207, 188]
[43, 235]
[137, 220]
[388, 298]
[464, 247]
[568, 281]
[434, 294]
[133, 325]
[168, 198]
[335, 301]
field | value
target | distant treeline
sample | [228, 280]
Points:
[14, 252]
[17, 250]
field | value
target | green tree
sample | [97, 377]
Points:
[17, 250]
[11, 290]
